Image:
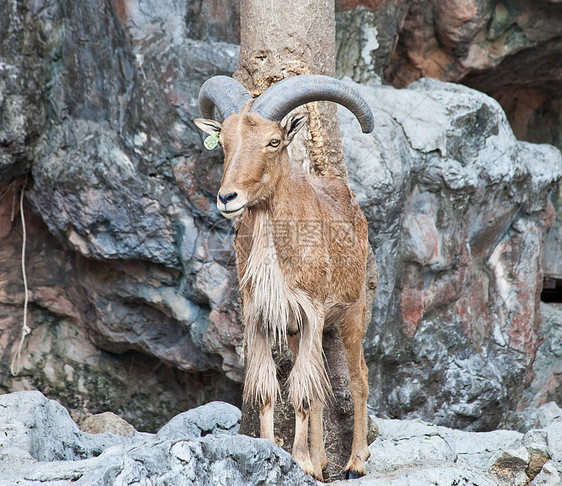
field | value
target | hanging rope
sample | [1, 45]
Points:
[15, 366]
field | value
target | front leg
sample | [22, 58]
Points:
[260, 384]
[317, 450]
[266, 421]
[309, 385]
[318, 456]
[300, 450]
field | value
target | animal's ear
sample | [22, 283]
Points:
[292, 125]
[208, 126]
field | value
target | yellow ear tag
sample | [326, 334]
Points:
[212, 141]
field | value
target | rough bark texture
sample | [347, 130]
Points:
[279, 40]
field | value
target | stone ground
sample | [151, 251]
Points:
[41, 445]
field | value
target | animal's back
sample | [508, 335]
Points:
[346, 236]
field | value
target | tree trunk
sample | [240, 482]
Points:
[279, 40]
[283, 39]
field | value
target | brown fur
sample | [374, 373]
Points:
[301, 246]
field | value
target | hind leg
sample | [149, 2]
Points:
[317, 451]
[351, 330]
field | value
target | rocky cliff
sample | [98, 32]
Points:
[132, 293]
[509, 49]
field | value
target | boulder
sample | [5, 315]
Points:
[536, 443]
[533, 418]
[546, 385]
[458, 210]
[409, 452]
[41, 444]
[42, 429]
[234, 461]
[216, 418]
[107, 422]
[548, 476]
[510, 467]
[130, 287]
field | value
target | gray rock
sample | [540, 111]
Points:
[228, 460]
[14, 458]
[548, 476]
[554, 432]
[552, 258]
[133, 267]
[403, 443]
[510, 466]
[41, 444]
[418, 454]
[444, 475]
[536, 443]
[448, 340]
[107, 422]
[43, 429]
[546, 385]
[479, 449]
[533, 418]
[130, 266]
[215, 418]
[549, 414]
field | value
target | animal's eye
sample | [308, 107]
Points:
[274, 142]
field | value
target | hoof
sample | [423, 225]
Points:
[318, 477]
[351, 474]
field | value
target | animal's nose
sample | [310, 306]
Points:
[226, 198]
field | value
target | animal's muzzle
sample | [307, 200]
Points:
[230, 204]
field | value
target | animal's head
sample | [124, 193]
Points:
[255, 133]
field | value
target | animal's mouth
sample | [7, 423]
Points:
[234, 213]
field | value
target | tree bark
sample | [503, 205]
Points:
[283, 39]
[279, 40]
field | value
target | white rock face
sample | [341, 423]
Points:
[414, 453]
[548, 476]
[41, 445]
[453, 202]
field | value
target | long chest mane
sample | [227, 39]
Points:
[269, 302]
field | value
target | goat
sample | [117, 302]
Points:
[297, 273]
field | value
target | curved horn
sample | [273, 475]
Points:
[278, 100]
[224, 93]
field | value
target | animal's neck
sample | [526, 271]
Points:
[284, 198]
[283, 204]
